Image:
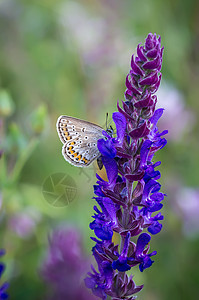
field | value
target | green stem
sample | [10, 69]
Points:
[122, 243]
[25, 155]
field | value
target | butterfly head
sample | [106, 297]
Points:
[110, 131]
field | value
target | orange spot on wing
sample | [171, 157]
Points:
[85, 160]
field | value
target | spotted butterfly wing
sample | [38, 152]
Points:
[80, 140]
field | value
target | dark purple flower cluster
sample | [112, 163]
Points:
[130, 199]
[4, 286]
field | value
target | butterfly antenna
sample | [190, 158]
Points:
[109, 128]
[106, 120]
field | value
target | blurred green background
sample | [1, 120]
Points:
[71, 57]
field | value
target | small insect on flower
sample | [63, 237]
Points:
[80, 140]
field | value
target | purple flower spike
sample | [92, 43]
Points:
[129, 202]
[144, 77]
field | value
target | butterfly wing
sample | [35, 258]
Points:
[69, 128]
[80, 140]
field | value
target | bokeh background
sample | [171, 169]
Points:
[71, 57]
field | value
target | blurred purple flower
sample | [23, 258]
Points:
[175, 111]
[65, 266]
[187, 204]
[24, 223]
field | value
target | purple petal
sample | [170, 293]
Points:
[121, 265]
[145, 264]
[152, 53]
[2, 269]
[131, 87]
[139, 132]
[151, 186]
[155, 207]
[150, 41]
[149, 80]
[128, 94]
[108, 272]
[124, 113]
[98, 190]
[103, 232]
[144, 151]
[106, 148]
[155, 228]
[111, 169]
[142, 241]
[159, 216]
[126, 245]
[156, 116]
[3, 293]
[135, 177]
[140, 53]
[110, 208]
[120, 123]
[156, 86]
[136, 69]
[157, 197]
[151, 173]
[146, 102]
[152, 64]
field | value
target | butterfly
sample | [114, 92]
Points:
[79, 140]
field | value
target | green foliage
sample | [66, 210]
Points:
[71, 57]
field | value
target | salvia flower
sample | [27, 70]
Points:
[130, 200]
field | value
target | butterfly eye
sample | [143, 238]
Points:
[85, 137]
[94, 144]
